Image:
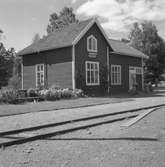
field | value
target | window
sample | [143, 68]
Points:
[138, 70]
[40, 75]
[115, 74]
[92, 73]
[91, 44]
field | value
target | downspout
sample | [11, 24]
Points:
[22, 74]
[142, 75]
[73, 68]
[108, 80]
[46, 72]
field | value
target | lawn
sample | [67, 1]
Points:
[7, 110]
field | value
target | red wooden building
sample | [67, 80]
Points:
[82, 56]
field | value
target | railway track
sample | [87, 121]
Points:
[19, 136]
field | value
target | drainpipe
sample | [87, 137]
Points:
[22, 74]
[108, 80]
[142, 75]
[73, 68]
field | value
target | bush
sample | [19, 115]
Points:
[79, 93]
[32, 92]
[8, 96]
[15, 82]
[57, 94]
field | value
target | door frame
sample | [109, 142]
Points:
[132, 70]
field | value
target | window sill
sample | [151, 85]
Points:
[98, 84]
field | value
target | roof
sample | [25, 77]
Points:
[122, 48]
[71, 34]
[58, 39]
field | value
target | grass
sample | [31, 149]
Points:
[8, 109]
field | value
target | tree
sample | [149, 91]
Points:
[36, 38]
[144, 37]
[15, 80]
[6, 65]
[65, 17]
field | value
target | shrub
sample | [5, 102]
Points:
[66, 93]
[15, 82]
[32, 92]
[8, 96]
[79, 93]
[57, 94]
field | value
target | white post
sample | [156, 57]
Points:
[22, 74]
[73, 67]
[142, 75]
[108, 68]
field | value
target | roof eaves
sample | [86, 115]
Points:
[132, 55]
[43, 50]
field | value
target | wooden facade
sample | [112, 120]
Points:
[66, 66]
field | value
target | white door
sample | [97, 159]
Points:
[132, 77]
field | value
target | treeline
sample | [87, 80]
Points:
[10, 68]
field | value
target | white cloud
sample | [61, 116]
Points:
[119, 14]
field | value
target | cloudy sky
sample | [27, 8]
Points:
[22, 19]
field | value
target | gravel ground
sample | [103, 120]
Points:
[39, 118]
[141, 145]
[9, 109]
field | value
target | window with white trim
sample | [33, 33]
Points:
[92, 73]
[91, 44]
[116, 74]
[39, 75]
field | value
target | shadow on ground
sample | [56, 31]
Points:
[156, 93]
[104, 139]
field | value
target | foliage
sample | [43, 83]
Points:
[32, 92]
[36, 38]
[6, 64]
[65, 17]
[145, 38]
[8, 96]
[57, 94]
[15, 82]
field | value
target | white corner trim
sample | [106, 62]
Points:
[95, 39]
[142, 75]
[22, 86]
[108, 74]
[73, 68]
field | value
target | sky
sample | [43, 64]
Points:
[20, 20]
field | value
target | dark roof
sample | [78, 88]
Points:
[123, 48]
[60, 38]
[66, 36]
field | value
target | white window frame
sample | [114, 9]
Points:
[41, 72]
[116, 73]
[94, 72]
[92, 44]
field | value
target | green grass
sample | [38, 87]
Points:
[7, 109]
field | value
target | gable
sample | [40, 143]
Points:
[94, 31]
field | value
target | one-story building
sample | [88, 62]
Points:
[82, 56]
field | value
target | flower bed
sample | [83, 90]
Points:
[12, 96]
[57, 94]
